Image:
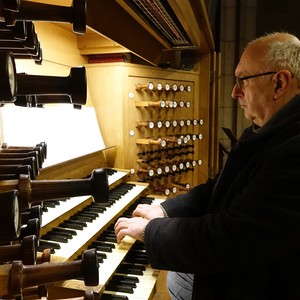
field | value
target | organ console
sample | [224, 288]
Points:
[68, 239]
[148, 116]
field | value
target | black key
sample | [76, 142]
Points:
[101, 206]
[100, 260]
[81, 218]
[131, 269]
[139, 257]
[101, 255]
[55, 238]
[96, 210]
[51, 204]
[64, 231]
[41, 248]
[100, 243]
[125, 279]
[107, 237]
[88, 213]
[125, 288]
[49, 244]
[71, 225]
[113, 297]
[101, 248]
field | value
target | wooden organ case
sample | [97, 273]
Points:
[159, 125]
[159, 122]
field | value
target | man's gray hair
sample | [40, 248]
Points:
[283, 52]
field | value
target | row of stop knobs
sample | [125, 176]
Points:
[168, 87]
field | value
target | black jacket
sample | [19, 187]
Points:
[240, 235]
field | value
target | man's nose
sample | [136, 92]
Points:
[235, 91]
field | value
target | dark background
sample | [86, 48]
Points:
[278, 15]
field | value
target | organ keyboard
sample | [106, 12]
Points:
[83, 231]
[131, 283]
[59, 208]
[126, 259]
[78, 224]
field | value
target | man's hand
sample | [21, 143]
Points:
[133, 227]
[148, 211]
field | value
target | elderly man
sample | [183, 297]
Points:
[238, 236]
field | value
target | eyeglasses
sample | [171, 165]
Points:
[239, 80]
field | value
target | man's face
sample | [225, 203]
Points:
[255, 95]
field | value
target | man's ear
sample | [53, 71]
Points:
[283, 80]
[278, 86]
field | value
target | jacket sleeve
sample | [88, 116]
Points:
[193, 203]
[259, 225]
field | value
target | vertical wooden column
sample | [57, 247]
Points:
[215, 72]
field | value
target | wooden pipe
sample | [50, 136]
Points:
[29, 42]
[13, 169]
[38, 58]
[32, 11]
[10, 155]
[30, 191]
[38, 292]
[34, 212]
[31, 148]
[34, 52]
[74, 85]
[44, 256]
[9, 176]
[10, 216]
[13, 5]
[25, 251]
[14, 172]
[8, 82]
[18, 31]
[41, 291]
[31, 161]
[88, 295]
[33, 227]
[41, 148]
[17, 276]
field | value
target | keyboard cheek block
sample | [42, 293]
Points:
[31, 191]
[16, 276]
